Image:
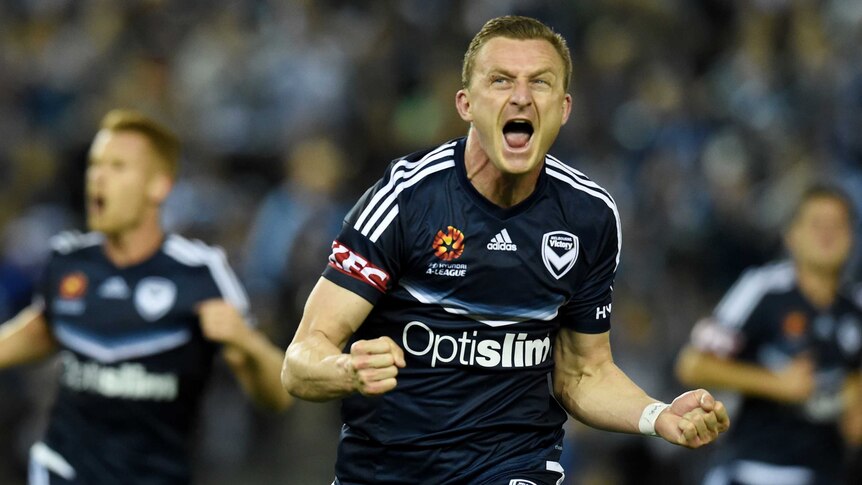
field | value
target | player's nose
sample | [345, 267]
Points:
[521, 95]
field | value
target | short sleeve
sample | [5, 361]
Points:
[365, 254]
[733, 322]
[589, 310]
[43, 291]
[228, 285]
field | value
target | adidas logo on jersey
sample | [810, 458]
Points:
[502, 242]
[114, 287]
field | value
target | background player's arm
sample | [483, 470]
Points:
[792, 384]
[252, 358]
[596, 392]
[26, 338]
[851, 421]
[315, 368]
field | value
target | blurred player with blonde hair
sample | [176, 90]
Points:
[136, 316]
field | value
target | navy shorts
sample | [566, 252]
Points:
[500, 458]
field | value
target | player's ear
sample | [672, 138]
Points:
[567, 107]
[462, 104]
[159, 187]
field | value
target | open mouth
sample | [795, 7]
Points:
[97, 204]
[517, 133]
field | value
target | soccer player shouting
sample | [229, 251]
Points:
[137, 316]
[466, 305]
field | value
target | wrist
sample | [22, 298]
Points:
[646, 424]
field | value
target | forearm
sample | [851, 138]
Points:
[24, 339]
[696, 368]
[602, 397]
[257, 366]
[851, 420]
[315, 370]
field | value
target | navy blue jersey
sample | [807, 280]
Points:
[134, 360]
[475, 295]
[765, 320]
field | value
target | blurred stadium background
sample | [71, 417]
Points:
[704, 119]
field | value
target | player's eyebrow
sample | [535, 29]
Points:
[539, 72]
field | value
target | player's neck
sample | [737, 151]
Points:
[818, 285]
[136, 245]
[504, 190]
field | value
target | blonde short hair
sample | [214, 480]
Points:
[165, 142]
[520, 28]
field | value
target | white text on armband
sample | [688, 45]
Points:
[126, 381]
[513, 350]
[348, 261]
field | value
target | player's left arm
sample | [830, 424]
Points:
[851, 421]
[595, 391]
[253, 359]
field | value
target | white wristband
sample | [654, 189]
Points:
[646, 425]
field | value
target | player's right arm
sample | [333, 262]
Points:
[794, 383]
[26, 338]
[365, 260]
[315, 368]
[712, 357]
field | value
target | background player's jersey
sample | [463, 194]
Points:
[475, 295]
[134, 358]
[765, 320]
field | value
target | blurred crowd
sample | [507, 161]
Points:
[704, 119]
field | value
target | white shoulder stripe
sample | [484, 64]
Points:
[742, 298]
[398, 166]
[577, 175]
[68, 241]
[393, 188]
[200, 254]
[384, 224]
[569, 168]
[386, 206]
[401, 170]
[182, 251]
[599, 194]
[42, 455]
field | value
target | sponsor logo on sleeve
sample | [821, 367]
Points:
[559, 252]
[348, 261]
[154, 297]
[603, 311]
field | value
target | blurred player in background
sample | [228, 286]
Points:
[467, 302]
[137, 316]
[787, 340]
